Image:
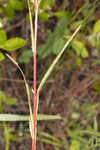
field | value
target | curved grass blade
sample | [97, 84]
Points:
[27, 91]
[47, 74]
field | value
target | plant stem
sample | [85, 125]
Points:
[34, 75]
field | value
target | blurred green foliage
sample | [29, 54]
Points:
[86, 138]
[5, 100]
[55, 41]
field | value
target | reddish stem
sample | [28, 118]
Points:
[33, 146]
[34, 74]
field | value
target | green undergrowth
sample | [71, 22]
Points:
[81, 128]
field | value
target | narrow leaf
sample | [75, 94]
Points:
[13, 117]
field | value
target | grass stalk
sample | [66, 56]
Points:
[35, 74]
[34, 47]
[47, 74]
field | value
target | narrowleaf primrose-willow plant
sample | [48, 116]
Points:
[36, 91]
[34, 47]
[33, 119]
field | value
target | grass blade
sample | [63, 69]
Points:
[40, 117]
[47, 74]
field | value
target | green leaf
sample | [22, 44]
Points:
[75, 145]
[11, 101]
[2, 96]
[78, 62]
[42, 52]
[73, 134]
[58, 45]
[8, 11]
[76, 24]
[96, 27]
[46, 4]
[94, 40]
[61, 14]
[79, 48]
[3, 36]
[16, 4]
[43, 16]
[76, 47]
[96, 86]
[49, 46]
[61, 27]
[84, 53]
[1, 108]
[25, 56]
[13, 44]
[1, 56]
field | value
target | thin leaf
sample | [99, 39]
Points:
[40, 117]
[27, 89]
[47, 74]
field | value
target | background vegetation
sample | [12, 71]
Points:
[72, 91]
